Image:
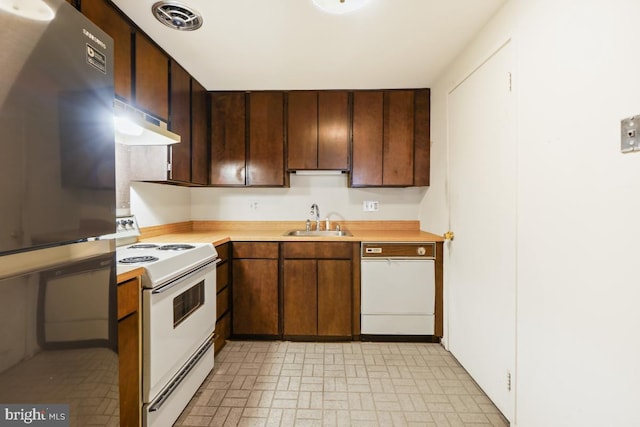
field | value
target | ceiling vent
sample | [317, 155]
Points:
[177, 16]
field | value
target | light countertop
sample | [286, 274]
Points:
[219, 232]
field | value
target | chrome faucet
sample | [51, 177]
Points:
[316, 211]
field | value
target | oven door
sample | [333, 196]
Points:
[178, 317]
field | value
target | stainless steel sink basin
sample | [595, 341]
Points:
[319, 233]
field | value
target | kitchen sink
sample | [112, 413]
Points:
[318, 233]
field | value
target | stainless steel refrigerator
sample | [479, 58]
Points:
[58, 326]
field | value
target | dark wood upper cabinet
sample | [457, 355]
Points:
[302, 130]
[422, 137]
[199, 134]
[180, 123]
[105, 16]
[151, 78]
[265, 155]
[390, 138]
[318, 130]
[228, 142]
[367, 148]
[397, 157]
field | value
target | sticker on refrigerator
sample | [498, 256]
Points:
[96, 59]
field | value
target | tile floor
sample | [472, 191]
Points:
[338, 384]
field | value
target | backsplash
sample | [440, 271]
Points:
[155, 204]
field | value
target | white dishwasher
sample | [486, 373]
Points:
[397, 288]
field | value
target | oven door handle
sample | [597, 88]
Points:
[185, 276]
[164, 395]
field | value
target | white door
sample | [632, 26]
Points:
[481, 269]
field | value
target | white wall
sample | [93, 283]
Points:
[155, 204]
[578, 206]
[291, 204]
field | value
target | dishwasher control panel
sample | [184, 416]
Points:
[399, 250]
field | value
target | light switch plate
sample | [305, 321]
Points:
[630, 134]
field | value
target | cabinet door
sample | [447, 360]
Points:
[367, 139]
[333, 130]
[265, 158]
[199, 134]
[151, 78]
[334, 298]
[255, 296]
[105, 16]
[228, 150]
[318, 130]
[398, 127]
[302, 130]
[422, 137]
[180, 123]
[300, 298]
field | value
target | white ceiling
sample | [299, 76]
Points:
[291, 44]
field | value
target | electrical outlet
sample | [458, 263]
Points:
[370, 205]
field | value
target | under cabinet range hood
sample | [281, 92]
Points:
[135, 127]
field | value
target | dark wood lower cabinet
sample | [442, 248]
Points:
[255, 289]
[129, 352]
[334, 298]
[317, 290]
[300, 297]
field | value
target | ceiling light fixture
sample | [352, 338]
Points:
[177, 16]
[340, 6]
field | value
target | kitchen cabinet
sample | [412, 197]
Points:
[317, 290]
[265, 155]
[129, 351]
[111, 21]
[247, 139]
[199, 134]
[180, 107]
[228, 141]
[188, 109]
[255, 278]
[151, 78]
[390, 146]
[318, 130]
[223, 312]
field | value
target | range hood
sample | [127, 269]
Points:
[135, 127]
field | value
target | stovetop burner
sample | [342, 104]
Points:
[163, 261]
[138, 259]
[175, 247]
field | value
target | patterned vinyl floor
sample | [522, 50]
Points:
[338, 384]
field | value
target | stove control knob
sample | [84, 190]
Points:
[421, 251]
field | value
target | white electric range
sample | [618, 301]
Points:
[178, 318]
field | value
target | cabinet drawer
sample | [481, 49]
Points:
[128, 297]
[317, 250]
[222, 276]
[263, 250]
[222, 303]
[223, 252]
